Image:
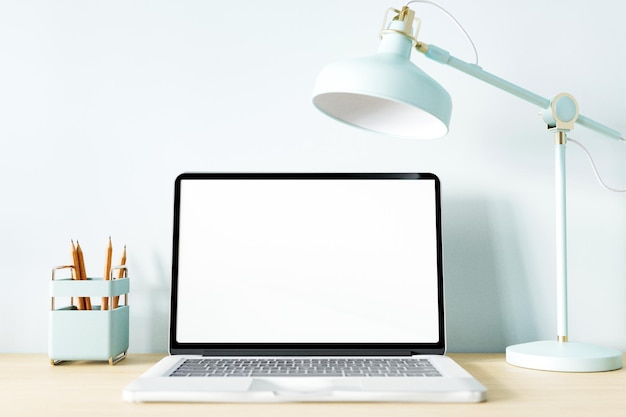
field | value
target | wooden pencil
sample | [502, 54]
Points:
[76, 274]
[107, 273]
[116, 299]
[83, 272]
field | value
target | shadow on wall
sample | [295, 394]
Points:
[150, 311]
[488, 299]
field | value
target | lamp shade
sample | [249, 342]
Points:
[385, 93]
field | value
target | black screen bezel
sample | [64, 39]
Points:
[309, 349]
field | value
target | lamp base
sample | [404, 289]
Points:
[564, 357]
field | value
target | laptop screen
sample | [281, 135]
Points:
[306, 261]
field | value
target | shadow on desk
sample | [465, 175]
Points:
[137, 359]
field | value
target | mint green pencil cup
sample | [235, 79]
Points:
[96, 334]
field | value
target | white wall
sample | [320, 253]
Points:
[103, 103]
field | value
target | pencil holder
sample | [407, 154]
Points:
[98, 333]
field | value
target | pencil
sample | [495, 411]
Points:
[107, 273]
[83, 272]
[76, 274]
[116, 299]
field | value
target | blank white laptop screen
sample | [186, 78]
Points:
[307, 261]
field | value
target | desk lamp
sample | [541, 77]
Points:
[387, 93]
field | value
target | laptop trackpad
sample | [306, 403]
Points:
[297, 385]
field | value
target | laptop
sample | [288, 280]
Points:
[306, 287]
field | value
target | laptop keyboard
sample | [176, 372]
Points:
[323, 367]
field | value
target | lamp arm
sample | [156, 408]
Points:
[443, 57]
[598, 127]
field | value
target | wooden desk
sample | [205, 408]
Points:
[30, 386]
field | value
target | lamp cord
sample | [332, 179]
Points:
[456, 22]
[595, 169]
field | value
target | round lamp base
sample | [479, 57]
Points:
[564, 357]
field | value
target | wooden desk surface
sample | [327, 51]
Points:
[30, 386]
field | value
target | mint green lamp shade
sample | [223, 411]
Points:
[385, 93]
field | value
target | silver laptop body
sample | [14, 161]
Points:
[306, 287]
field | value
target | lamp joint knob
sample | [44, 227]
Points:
[562, 112]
